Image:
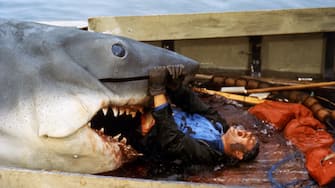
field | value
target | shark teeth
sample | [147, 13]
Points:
[121, 111]
[127, 111]
[133, 114]
[118, 111]
[102, 122]
[115, 111]
[117, 136]
[124, 140]
[105, 111]
[102, 130]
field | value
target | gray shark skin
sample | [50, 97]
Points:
[50, 80]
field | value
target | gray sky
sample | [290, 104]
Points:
[47, 10]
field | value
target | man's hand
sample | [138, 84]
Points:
[157, 80]
[175, 70]
[176, 76]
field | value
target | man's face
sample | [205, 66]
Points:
[238, 136]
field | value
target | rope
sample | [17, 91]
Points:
[275, 183]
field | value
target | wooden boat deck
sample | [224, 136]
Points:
[274, 150]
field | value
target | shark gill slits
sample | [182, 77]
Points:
[118, 50]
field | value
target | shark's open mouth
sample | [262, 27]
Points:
[119, 124]
[112, 120]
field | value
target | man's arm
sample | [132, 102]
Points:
[176, 144]
[188, 101]
[184, 98]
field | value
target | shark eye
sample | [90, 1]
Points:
[118, 50]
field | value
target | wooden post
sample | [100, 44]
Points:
[255, 58]
[168, 44]
[329, 67]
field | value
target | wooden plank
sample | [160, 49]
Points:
[301, 53]
[22, 178]
[329, 66]
[219, 53]
[213, 25]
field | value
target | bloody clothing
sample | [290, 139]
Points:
[168, 142]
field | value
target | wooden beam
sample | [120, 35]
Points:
[24, 178]
[213, 25]
[255, 56]
[292, 87]
[240, 98]
[329, 66]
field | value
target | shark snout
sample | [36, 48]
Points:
[164, 57]
[140, 57]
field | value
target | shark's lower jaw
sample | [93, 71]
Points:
[117, 124]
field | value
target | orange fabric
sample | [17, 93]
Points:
[279, 113]
[305, 132]
[322, 171]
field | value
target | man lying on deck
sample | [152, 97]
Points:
[194, 133]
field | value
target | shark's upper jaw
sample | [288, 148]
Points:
[109, 119]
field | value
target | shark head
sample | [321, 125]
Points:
[56, 80]
[122, 64]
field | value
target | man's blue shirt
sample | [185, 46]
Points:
[199, 127]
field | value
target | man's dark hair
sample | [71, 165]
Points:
[248, 155]
[252, 154]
